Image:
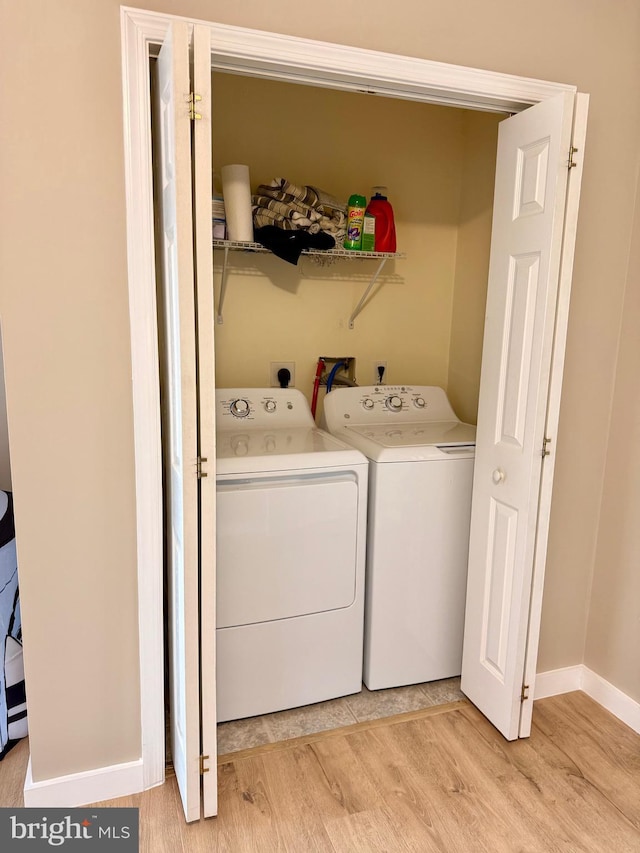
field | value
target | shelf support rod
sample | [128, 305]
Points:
[358, 307]
[223, 286]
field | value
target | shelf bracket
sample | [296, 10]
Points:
[358, 307]
[223, 286]
[236, 245]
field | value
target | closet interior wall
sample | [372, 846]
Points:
[425, 316]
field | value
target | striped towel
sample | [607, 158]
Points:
[292, 207]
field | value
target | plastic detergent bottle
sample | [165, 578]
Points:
[355, 220]
[385, 225]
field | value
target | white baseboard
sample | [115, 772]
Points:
[580, 677]
[614, 700]
[79, 789]
[558, 681]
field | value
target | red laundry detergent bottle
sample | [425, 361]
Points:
[385, 225]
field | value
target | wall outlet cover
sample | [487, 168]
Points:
[377, 366]
[275, 366]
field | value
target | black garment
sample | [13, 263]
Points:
[289, 245]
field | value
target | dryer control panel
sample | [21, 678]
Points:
[386, 404]
[262, 407]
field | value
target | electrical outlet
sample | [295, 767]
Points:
[377, 367]
[274, 382]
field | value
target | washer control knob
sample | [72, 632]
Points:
[239, 408]
[394, 403]
[367, 403]
[270, 406]
[419, 402]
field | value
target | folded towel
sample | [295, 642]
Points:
[291, 207]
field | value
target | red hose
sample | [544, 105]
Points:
[316, 386]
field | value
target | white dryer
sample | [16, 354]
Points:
[420, 480]
[290, 543]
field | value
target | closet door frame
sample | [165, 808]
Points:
[276, 57]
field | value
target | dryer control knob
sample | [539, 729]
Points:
[270, 406]
[367, 403]
[419, 402]
[394, 403]
[239, 408]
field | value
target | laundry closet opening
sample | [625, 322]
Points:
[424, 317]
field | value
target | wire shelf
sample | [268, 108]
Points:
[238, 245]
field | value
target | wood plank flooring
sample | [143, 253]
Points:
[438, 780]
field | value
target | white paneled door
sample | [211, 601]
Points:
[186, 277]
[527, 242]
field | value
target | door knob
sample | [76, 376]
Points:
[498, 476]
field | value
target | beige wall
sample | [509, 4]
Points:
[472, 262]
[64, 311]
[275, 311]
[613, 636]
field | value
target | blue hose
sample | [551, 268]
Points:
[336, 367]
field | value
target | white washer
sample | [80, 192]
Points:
[420, 480]
[291, 536]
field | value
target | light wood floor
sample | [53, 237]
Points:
[441, 779]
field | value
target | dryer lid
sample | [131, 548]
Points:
[275, 442]
[254, 450]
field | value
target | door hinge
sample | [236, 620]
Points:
[524, 695]
[203, 769]
[192, 100]
[572, 163]
[545, 442]
[199, 472]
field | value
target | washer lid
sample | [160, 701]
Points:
[438, 433]
[415, 442]
[255, 450]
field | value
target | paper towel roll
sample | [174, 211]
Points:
[236, 191]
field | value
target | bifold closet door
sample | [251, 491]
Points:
[190, 496]
[526, 251]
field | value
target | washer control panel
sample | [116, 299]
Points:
[261, 407]
[394, 399]
[377, 404]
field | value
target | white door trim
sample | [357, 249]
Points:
[259, 54]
